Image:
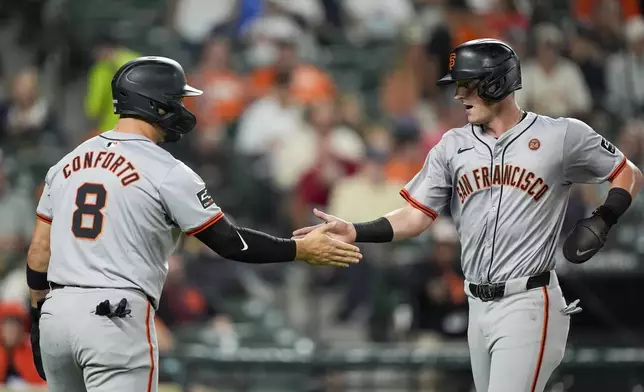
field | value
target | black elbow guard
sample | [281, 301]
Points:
[246, 245]
[222, 238]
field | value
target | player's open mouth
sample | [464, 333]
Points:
[468, 107]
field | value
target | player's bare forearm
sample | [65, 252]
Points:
[400, 224]
[630, 179]
[408, 222]
[38, 256]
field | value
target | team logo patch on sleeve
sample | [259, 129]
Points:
[608, 146]
[204, 198]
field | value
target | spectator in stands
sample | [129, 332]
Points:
[437, 40]
[604, 28]
[13, 286]
[583, 9]
[320, 136]
[376, 20]
[504, 16]
[351, 112]
[313, 160]
[26, 120]
[439, 305]
[465, 25]
[408, 153]
[3, 81]
[165, 340]
[193, 20]
[436, 290]
[109, 56]
[183, 304]
[16, 227]
[307, 13]
[587, 54]
[406, 89]
[599, 35]
[283, 20]
[625, 73]
[269, 121]
[630, 141]
[225, 95]
[450, 115]
[363, 196]
[367, 193]
[17, 368]
[553, 85]
[309, 85]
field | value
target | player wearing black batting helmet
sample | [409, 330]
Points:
[506, 177]
[494, 63]
[110, 214]
[152, 88]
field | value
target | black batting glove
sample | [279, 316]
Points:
[35, 338]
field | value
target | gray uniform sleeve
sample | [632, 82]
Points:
[431, 188]
[588, 157]
[44, 211]
[187, 201]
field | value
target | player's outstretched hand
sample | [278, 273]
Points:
[318, 248]
[342, 231]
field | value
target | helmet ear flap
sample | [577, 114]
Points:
[498, 85]
[491, 89]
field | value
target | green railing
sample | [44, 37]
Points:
[377, 368]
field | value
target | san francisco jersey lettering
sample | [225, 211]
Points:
[511, 191]
[121, 239]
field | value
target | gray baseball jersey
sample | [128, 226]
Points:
[508, 196]
[117, 205]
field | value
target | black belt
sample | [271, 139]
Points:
[490, 291]
[55, 286]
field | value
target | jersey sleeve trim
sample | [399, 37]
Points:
[206, 224]
[617, 170]
[416, 204]
[44, 218]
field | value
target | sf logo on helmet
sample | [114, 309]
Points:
[452, 61]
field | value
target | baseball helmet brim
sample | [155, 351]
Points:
[445, 80]
[189, 91]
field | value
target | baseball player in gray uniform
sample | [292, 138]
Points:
[507, 177]
[110, 214]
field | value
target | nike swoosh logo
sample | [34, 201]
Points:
[584, 252]
[461, 150]
[243, 242]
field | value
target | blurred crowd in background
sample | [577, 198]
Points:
[314, 103]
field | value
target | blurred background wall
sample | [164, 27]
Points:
[330, 104]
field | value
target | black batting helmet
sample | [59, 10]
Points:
[151, 88]
[491, 61]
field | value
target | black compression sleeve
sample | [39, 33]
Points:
[378, 230]
[246, 245]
